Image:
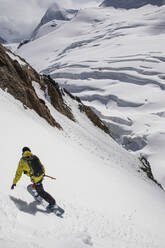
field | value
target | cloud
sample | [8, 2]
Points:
[24, 15]
[69, 3]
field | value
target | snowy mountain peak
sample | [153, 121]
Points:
[129, 4]
[54, 13]
[54, 7]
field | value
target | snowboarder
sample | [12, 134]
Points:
[30, 165]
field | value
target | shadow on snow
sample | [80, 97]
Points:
[30, 208]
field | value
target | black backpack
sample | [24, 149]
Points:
[36, 168]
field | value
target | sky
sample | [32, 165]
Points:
[24, 15]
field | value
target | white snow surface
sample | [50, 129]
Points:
[107, 201]
[48, 27]
[11, 46]
[113, 59]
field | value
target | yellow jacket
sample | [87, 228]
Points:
[24, 167]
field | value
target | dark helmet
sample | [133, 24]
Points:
[24, 149]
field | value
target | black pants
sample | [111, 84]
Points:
[41, 192]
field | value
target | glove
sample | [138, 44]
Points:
[12, 187]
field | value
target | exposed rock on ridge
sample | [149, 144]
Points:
[56, 98]
[18, 77]
[129, 4]
[94, 118]
[146, 167]
[18, 80]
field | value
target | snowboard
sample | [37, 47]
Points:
[57, 210]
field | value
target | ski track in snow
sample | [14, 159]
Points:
[91, 171]
[107, 201]
[80, 227]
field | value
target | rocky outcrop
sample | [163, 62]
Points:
[129, 4]
[56, 98]
[17, 77]
[94, 118]
[17, 80]
[24, 42]
[146, 167]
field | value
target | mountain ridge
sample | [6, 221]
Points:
[107, 196]
[104, 57]
[23, 76]
[54, 13]
[129, 4]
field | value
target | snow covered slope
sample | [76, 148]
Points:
[107, 200]
[113, 60]
[53, 16]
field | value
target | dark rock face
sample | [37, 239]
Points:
[94, 118]
[146, 167]
[56, 98]
[18, 80]
[129, 4]
[23, 43]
